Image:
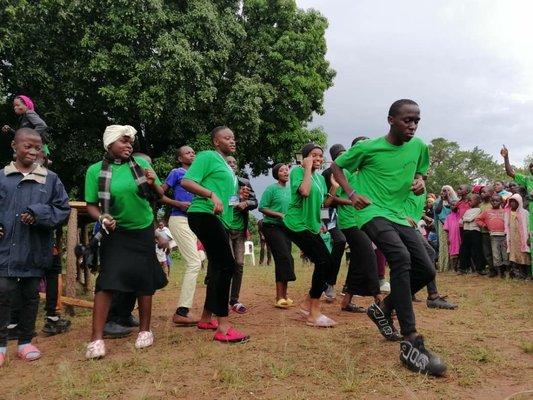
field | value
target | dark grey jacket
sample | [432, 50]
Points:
[252, 200]
[31, 119]
[25, 250]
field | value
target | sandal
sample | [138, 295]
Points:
[29, 353]
[322, 322]
[281, 303]
[239, 308]
[211, 325]
[231, 336]
[354, 308]
[290, 302]
[95, 350]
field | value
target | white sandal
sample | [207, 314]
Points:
[95, 350]
[144, 339]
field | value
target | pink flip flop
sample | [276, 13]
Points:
[26, 353]
[231, 336]
[211, 325]
[322, 322]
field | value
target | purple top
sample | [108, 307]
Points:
[174, 181]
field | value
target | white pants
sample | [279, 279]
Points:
[186, 240]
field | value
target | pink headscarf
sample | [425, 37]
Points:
[522, 215]
[27, 101]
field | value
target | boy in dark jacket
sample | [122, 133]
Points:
[33, 202]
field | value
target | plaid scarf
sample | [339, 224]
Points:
[104, 182]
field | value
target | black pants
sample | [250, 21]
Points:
[28, 292]
[52, 283]
[337, 251]
[410, 266]
[487, 249]
[264, 251]
[471, 250]
[432, 254]
[281, 246]
[314, 247]
[214, 237]
[362, 278]
[122, 305]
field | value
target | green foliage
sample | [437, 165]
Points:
[172, 69]
[450, 165]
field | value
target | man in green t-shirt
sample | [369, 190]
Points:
[388, 169]
[525, 181]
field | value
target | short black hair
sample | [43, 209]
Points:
[275, 170]
[358, 138]
[217, 129]
[394, 109]
[25, 131]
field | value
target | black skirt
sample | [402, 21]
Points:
[128, 263]
[281, 248]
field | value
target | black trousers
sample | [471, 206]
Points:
[339, 244]
[122, 305]
[362, 278]
[210, 231]
[27, 290]
[432, 254]
[471, 250]
[281, 246]
[410, 266]
[314, 247]
[264, 252]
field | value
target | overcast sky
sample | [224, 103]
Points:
[468, 63]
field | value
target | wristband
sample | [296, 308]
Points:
[351, 194]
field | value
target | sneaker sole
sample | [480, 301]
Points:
[243, 340]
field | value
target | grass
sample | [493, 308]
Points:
[486, 344]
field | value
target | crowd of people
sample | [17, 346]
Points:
[372, 198]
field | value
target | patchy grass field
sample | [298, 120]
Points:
[487, 343]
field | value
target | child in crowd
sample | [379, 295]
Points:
[493, 221]
[517, 231]
[33, 203]
[486, 193]
[162, 250]
[471, 248]
[463, 204]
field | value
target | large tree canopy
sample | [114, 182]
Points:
[173, 69]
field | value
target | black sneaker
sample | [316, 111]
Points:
[130, 322]
[383, 322]
[112, 330]
[415, 356]
[441, 302]
[52, 327]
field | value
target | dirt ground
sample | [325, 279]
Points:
[487, 345]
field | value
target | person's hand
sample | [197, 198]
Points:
[6, 128]
[241, 206]
[244, 192]
[504, 152]
[412, 222]
[27, 218]
[359, 201]
[307, 162]
[150, 176]
[418, 186]
[109, 223]
[184, 206]
[218, 206]
[334, 182]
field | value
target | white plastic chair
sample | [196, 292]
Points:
[249, 250]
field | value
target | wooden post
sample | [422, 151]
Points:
[72, 241]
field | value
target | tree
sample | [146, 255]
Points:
[450, 165]
[172, 69]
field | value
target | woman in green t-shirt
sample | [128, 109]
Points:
[303, 221]
[118, 191]
[215, 187]
[274, 204]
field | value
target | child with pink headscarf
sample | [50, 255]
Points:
[517, 231]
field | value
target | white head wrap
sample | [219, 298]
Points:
[114, 132]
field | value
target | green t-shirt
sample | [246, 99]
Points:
[275, 198]
[130, 210]
[304, 212]
[527, 182]
[385, 175]
[211, 171]
[414, 206]
[347, 214]
[237, 220]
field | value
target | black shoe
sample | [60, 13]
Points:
[112, 330]
[131, 321]
[493, 273]
[440, 302]
[482, 272]
[383, 322]
[52, 327]
[415, 356]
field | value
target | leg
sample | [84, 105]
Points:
[145, 312]
[443, 248]
[29, 288]
[269, 254]
[339, 244]
[262, 246]
[281, 246]
[121, 308]
[465, 253]
[102, 301]
[237, 245]
[477, 252]
[487, 250]
[51, 294]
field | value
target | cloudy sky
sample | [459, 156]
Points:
[468, 63]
